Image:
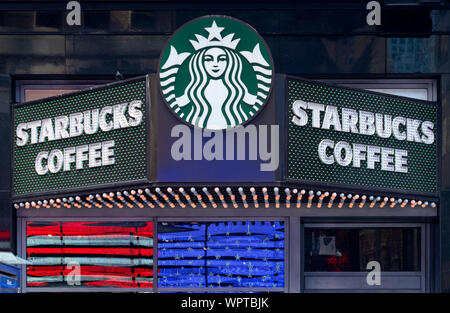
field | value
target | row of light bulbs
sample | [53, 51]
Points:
[293, 198]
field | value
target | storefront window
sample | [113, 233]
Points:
[350, 250]
[421, 89]
[419, 93]
[224, 254]
[36, 94]
[31, 90]
[90, 254]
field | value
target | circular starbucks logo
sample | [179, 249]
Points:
[216, 72]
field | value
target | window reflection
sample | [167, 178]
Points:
[36, 94]
[338, 250]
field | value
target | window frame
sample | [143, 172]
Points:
[54, 84]
[389, 83]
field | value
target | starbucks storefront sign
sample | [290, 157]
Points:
[85, 139]
[284, 179]
[353, 137]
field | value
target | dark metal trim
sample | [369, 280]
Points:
[333, 213]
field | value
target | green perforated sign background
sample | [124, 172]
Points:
[303, 162]
[129, 149]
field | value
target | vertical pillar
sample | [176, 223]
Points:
[6, 217]
[293, 278]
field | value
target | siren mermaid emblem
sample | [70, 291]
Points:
[213, 82]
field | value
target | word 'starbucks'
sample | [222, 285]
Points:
[364, 123]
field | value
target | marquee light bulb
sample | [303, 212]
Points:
[210, 197]
[310, 198]
[277, 197]
[255, 197]
[330, 202]
[352, 203]
[393, 202]
[321, 197]
[243, 197]
[266, 197]
[363, 201]
[221, 197]
[232, 197]
[341, 202]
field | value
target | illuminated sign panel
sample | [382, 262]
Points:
[95, 137]
[216, 73]
[344, 136]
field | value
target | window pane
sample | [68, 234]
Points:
[36, 94]
[420, 94]
[110, 254]
[225, 254]
[337, 250]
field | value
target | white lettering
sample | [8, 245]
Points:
[22, 135]
[300, 116]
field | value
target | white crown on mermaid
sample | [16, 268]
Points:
[214, 39]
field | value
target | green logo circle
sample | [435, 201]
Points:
[216, 72]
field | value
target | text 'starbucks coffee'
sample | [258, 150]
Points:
[216, 72]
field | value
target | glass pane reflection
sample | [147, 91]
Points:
[349, 250]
